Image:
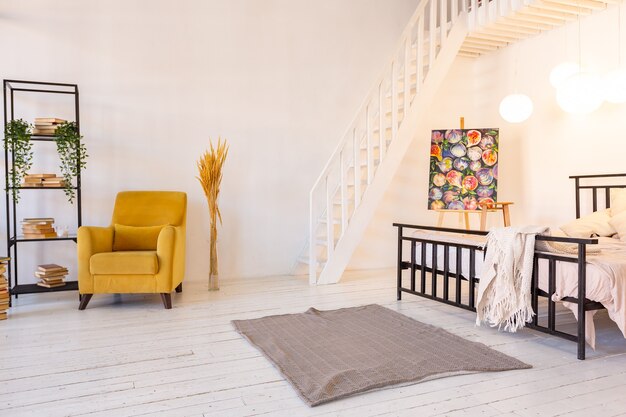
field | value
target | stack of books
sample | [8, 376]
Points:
[38, 228]
[46, 125]
[54, 181]
[51, 275]
[4, 289]
[43, 180]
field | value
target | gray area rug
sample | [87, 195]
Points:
[327, 355]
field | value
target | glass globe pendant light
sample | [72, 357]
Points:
[562, 72]
[516, 108]
[581, 92]
[615, 81]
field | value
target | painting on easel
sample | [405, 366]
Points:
[463, 168]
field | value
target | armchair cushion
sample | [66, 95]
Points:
[124, 263]
[134, 238]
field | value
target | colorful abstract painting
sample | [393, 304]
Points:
[463, 168]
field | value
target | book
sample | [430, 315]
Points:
[37, 220]
[37, 226]
[50, 267]
[45, 225]
[48, 120]
[43, 131]
[39, 235]
[46, 285]
[52, 281]
[3, 315]
[4, 259]
[50, 275]
[39, 176]
[38, 231]
[48, 272]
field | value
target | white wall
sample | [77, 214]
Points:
[280, 79]
[537, 156]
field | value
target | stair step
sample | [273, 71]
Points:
[375, 161]
[304, 259]
[412, 80]
[337, 209]
[350, 183]
[375, 152]
[389, 117]
[323, 242]
[401, 94]
[349, 198]
[387, 130]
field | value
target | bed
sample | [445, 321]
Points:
[585, 273]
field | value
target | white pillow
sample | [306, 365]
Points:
[619, 223]
[618, 201]
[597, 223]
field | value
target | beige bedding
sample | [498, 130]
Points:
[606, 275]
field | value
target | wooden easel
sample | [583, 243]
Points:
[484, 207]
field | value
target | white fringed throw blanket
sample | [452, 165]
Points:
[504, 291]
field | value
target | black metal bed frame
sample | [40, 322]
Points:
[470, 281]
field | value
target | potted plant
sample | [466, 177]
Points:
[210, 177]
[72, 153]
[17, 140]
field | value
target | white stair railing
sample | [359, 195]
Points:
[340, 187]
[479, 16]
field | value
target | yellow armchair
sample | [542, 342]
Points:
[142, 251]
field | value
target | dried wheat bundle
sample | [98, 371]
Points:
[210, 176]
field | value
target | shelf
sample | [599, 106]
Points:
[43, 239]
[14, 242]
[42, 188]
[34, 288]
[43, 138]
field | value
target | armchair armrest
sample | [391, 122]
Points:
[91, 240]
[166, 247]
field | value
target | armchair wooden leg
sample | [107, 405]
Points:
[84, 300]
[180, 287]
[167, 300]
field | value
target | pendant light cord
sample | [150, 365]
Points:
[619, 35]
[580, 60]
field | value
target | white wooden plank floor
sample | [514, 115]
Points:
[127, 356]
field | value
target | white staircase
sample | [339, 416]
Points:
[351, 185]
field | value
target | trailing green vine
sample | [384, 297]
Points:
[17, 140]
[72, 153]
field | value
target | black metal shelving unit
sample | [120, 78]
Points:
[10, 88]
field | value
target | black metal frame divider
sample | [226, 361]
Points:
[470, 303]
[9, 89]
